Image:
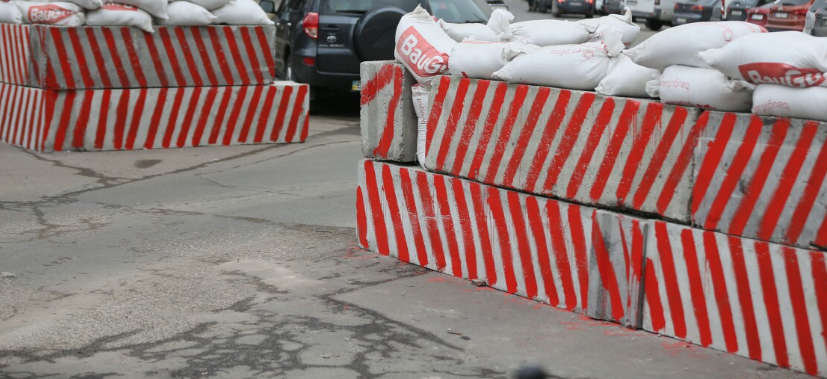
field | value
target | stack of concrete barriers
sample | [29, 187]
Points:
[113, 88]
[707, 227]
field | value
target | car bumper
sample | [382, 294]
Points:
[687, 18]
[315, 78]
[643, 15]
[580, 8]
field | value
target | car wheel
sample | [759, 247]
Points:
[589, 15]
[654, 25]
[375, 34]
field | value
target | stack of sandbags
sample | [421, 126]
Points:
[575, 66]
[613, 23]
[686, 78]
[141, 14]
[787, 67]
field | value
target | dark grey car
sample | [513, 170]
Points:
[322, 42]
[689, 11]
[737, 10]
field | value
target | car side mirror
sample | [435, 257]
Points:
[268, 6]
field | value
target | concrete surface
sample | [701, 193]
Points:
[241, 261]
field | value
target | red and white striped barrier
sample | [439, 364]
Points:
[608, 151]
[762, 178]
[388, 121]
[15, 53]
[616, 270]
[151, 118]
[764, 301]
[521, 244]
[122, 57]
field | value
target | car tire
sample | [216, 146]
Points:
[375, 34]
[654, 25]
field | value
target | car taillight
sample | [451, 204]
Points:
[697, 7]
[309, 61]
[311, 25]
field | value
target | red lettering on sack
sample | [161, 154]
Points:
[48, 14]
[119, 7]
[781, 73]
[422, 58]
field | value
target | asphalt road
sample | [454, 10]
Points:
[241, 262]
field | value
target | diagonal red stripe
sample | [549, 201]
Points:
[566, 145]
[524, 251]
[674, 127]
[410, 206]
[603, 119]
[527, 131]
[799, 303]
[535, 221]
[768, 287]
[451, 124]
[719, 286]
[487, 129]
[377, 216]
[498, 216]
[670, 278]
[441, 194]
[608, 276]
[465, 229]
[561, 253]
[470, 126]
[427, 202]
[696, 288]
[396, 217]
[485, 238]
[651, 121]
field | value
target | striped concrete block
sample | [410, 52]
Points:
[151, 118]
[122, 57]
[616, 271]
[388, 120]
[763, 178]
[760, 300]
[608, 151]
[522, 244]
[15, 53]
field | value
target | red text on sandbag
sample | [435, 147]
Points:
[422, 57]
[119, 7]
[780, 73]
[48, 14]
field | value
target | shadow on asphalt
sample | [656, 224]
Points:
[339, 105]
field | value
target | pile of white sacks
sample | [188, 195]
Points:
[141, 14]
[726, 66]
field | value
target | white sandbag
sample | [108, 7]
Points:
[58, 14]
[500, 23]
[548, 32]
[701, 87]
[209, 5]
[420, 100]
[9, 14]
[184, 13]
[459, 32]
[476, 60]
[113, 14]
[624, 24]
[783, 101]
[627, 78]
[479, 60]
[241, 12]
[787, 58]
[579, 67]
[85, 4]
[422, 46]
[156, 8]
[680, 45]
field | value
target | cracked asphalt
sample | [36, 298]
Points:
[241, 262]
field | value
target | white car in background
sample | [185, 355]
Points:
[655, 13]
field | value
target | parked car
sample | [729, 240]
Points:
[781, 15]
[737, 10]
[561, 7]
[655, 13]
[497, 4]
[322, 42]
[613, 6]
[688, 11]
[816, 19]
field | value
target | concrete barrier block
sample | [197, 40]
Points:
[388, 120]
[616, 270]
[756, 299]
[122, 57]
[151, 118]
[763, 178]
[522, 244]
[608, 151]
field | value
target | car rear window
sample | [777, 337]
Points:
[364, 6]
[460, 11]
